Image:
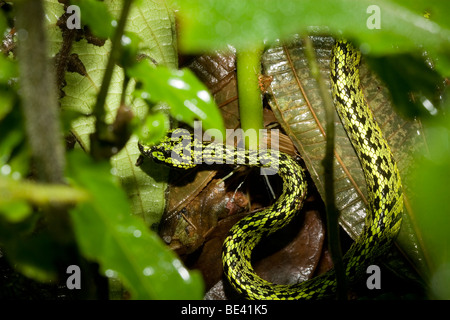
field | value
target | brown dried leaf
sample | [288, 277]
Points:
[297, 260]
[218, 72]
[185, 229]
[209, 261]
[286, 257]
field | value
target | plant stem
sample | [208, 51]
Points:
[250, 99]
[328, 161]
[40, 194]
[38, 90]
[39, 93]
[101, 128]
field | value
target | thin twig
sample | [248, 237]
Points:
[99, 108]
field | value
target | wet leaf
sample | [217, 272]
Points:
[120, 242]
[186, 95]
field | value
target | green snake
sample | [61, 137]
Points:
[385, 203]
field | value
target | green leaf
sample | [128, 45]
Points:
[3, 24]
[121, 243]
[188, 98]
[95, 14]
[35, 256]
[436, 9]
[154, 22]
[433, 208]
[15, 210]
[155, 127]
[210, 24]
[400, 74]
[130, 49]
[32, 254]
[8, 69]
[6, 102]
[13, 139]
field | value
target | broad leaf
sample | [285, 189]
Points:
[188, 98]
[120, 242]
[401, 26]
[211, 24]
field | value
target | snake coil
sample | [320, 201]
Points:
[385, 203]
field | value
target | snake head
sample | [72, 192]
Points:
[175, 150]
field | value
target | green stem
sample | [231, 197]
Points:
[40, 194]
[328, 161]
[250, 98]
[101, 128]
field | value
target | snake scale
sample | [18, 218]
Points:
[385, 203]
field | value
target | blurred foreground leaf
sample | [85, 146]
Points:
[154, 129]
[433, 208]
[188, 98]
[409, 76]
[31, 253]
[90, 11]
[121, 243]
[210, 24]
